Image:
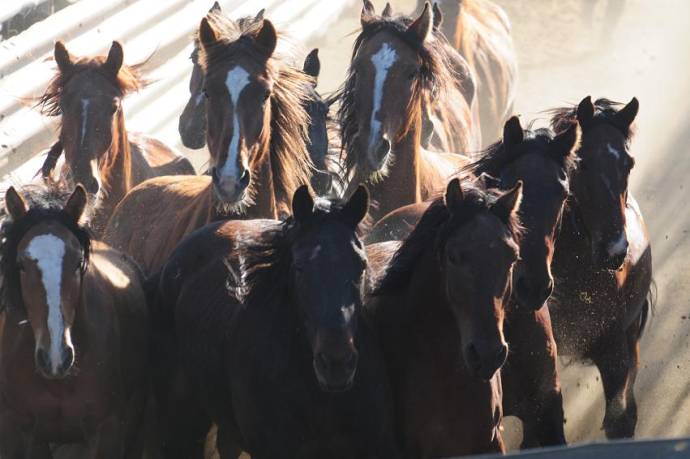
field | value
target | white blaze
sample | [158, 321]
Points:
[236, 81]
[84, 117]
[48, 251]
[383, 60]
[619, 246]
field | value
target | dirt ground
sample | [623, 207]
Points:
[566, 50]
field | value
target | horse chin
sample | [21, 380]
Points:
[226, 204]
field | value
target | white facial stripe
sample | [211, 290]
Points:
[48, 251]
[613, 152]
[383, 60]
[619, 246]
[236, 81]
[84, 117]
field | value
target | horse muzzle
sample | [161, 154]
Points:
[335, 373]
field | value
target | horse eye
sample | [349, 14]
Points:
[204, 92]
[267, 94]
[412, 75]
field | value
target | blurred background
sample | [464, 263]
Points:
[566, 49]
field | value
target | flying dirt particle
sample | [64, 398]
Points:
[678, 366]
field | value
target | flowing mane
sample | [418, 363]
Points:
[604, 111]
[291, 165]
[433, 230]
[494, 158]
[43, 203]
[436, 84]
[129, 79]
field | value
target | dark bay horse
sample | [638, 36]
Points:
[257, 130]
[439, 309]
[74, 334]
[192, 122]
[270, 334]
[480, 31]
[541, 161]
[99, 152]
[603, 259]
[397, 67]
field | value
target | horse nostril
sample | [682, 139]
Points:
[502, 355]
[548, 290]
[67, 359]
[473, 358]
[42, 360]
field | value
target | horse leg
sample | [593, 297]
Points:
[225, 443]
[531, 384]
[108, 439]
[617, 359]
[15, 444]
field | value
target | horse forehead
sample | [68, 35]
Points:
[486, 229]
[90, 83]
[48, 240]
[236, 80]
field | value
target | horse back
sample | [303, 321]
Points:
[154, 158]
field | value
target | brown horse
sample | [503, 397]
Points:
[397, 67]
[480, 30]
[74, 334]
[99, 152]
[257, 129]
[603, 260]
[439, 309]
[267, 316]
[543, 163]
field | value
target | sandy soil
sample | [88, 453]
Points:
[566, 53]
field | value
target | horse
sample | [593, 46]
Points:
[73, 333]
[438, 307]
[480, 31]
[257, 130]
[541, 161]
[397, 67]
[267, 316]
[192, 122]
[603, 259]
[99, 152]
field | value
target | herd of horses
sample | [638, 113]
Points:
[331, 286]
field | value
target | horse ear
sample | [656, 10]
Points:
[512, 132]
[302, 204]
[368, 12]
[62, 58]
[357, 207]
[438, 16]
[267, 38]
[507, 205]
[115, 58]
[626, 115]
[260, 15]
[215, 8]
[15, 204]
[421, 27]
[387, 10]
[312, 64]
[565, 143]
[76, 203]
[453, 194]
[207, 35]
[585, 111]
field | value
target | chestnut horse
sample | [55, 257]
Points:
[603, 260]
[74, 334]
[99, 152]
[543, 163]
[257, 129]
[480, 30]
[397, 67]
[192, 122]
[439, 309]
[268, 321]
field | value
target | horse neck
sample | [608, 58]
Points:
[402, 184]
[571, 240]
[116, 168]
[425, 291]
[265, 201]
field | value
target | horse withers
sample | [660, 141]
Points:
[74, 334]
[603, 259]
[100, 153]
[269, 331]
[439, 309]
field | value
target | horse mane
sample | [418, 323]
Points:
[436, 81]
[433, 231]
[495, 157]
[129, 79]
[604, 111]
[259, 264]
[291, 165]
[44, 203]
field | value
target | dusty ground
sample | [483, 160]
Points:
[563, 57]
